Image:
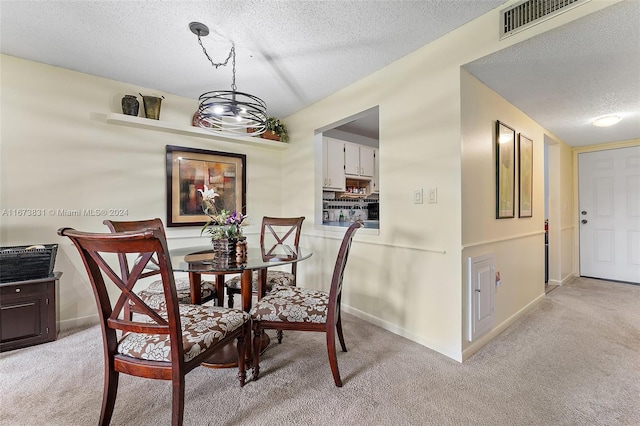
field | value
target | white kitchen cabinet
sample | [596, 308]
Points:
[352, 159]
[358, 160]
[333, 164]
[367, 160]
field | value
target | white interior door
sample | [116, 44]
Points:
[609, 214]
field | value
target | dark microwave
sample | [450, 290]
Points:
[372, 210]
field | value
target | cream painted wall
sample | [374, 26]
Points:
[56, 154]
[567, 211]
[554, 185]
[517, 244]
[408, 278]
[560, 211]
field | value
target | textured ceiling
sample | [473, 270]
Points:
[289, 53]
[566, 77]
[294, 53]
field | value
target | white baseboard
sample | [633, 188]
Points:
[567, 279]
[563, 281]
[78, 322]
[401, 331]
[478, 344]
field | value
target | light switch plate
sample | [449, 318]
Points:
[433, 196]
[417, 196]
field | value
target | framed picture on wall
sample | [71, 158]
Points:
[189, 170]
[505, 170]
[525, 176]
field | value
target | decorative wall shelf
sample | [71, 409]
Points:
[164, 126]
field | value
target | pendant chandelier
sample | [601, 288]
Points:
[228, 112]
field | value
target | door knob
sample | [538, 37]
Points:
[584, 221]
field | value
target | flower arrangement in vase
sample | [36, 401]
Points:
[224, 227]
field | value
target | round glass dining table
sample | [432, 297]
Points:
[198, 261]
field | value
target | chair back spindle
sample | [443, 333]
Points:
[282, 230]
[208, 290]
[146, 244]
[274, 231]
[124, 226]
[335, 292]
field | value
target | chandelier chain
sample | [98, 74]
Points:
[215, 64]
[232, 56]
[233, 66]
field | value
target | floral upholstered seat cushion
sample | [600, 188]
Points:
[274, 278]
[154, 294]
[292, 304]
[202, 327]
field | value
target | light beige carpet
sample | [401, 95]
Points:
[572, 360]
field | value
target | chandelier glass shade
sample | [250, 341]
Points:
[228, 112]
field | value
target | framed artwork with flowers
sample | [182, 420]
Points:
[203, 184]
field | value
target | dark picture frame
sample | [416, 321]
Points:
[525, 176]
[189, 170]
[505, 142]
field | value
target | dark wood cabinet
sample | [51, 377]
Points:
[28, 312]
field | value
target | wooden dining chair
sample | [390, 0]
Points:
[153, 295]
[166, 344]
[275, 230]
[304, 309]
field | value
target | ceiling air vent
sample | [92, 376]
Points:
[530, 12]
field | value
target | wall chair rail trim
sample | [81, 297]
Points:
[500, 240]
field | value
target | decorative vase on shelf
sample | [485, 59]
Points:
[197, 122]
[152, 106]
[130, 105]
[270, 134]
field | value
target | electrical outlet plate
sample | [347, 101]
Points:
[417, 196]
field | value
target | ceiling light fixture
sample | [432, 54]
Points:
[606, 120]
[228, 112]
